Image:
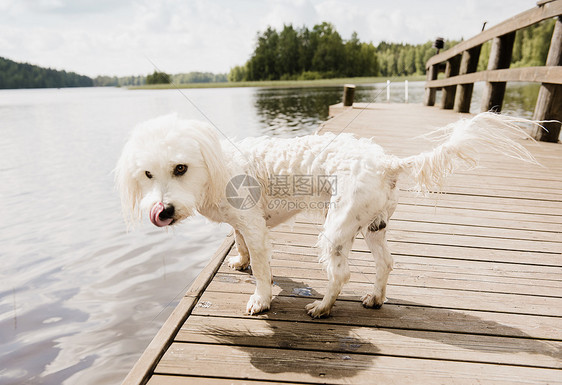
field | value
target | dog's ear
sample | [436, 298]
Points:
[212, 153]
[127, 186]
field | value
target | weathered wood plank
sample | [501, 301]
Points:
[448, 93]
[429, 279]
[549, 99]
[189, 380]
[315, 285]
[437, 226]
[469, 64]
[423, 257]
[451, 239]
[430, 93]
[546, 74]
[536, 211]
[378, 341]
[415, 316]
[327, 367]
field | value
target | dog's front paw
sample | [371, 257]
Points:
[317, 309]
[257, 304]
[372, 301]
[238, 262]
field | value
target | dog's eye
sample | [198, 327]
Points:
[148, 174]
[180, 169]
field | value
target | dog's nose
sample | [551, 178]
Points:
[167, 213]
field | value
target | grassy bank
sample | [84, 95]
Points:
[285, 83]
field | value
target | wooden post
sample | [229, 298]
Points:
[451, 69]
[388, 90]
[549, 101]
[432, 72]
[348, 94]
[500, 57]
[469, 64]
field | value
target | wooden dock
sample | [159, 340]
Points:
[475, 295]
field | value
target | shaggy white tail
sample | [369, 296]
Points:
[463, 140]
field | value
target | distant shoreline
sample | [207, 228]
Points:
[284, 83]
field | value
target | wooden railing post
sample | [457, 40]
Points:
[432, 71]
[549, 101]
[348, 94]
[500, 57]
[469, 64]
[451, 69]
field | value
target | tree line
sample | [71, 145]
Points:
[296, 54]
[158, 77]
[23, 75]
[321, 52]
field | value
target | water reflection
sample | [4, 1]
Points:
[520, 98]
[298, 111]
[291, 111]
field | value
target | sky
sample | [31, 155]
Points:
[123, 37]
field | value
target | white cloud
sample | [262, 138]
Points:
[106, 37]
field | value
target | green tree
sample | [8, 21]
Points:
[158, 78]
[329, 54]
[288, 52]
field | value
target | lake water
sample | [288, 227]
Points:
[80, 297]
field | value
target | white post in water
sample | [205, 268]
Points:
[405, 91]
[388, 90]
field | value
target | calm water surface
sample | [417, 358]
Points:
[80, 297]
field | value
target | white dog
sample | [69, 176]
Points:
[171, 169]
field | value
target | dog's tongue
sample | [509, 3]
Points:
[155, 215]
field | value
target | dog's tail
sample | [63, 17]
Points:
[462, 142]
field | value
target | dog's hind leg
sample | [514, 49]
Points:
[242, 260]
[334, 243]
[375, 237]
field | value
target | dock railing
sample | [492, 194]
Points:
[461, 61]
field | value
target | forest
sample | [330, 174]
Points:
[23, 75]
[182, 78]
[296, 54]
[321, 52]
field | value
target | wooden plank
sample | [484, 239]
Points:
[546, 211]
[469, 64]
[415, 316]
[418, 262]
[142, 370]
[315, 284]
[428, 257]
[500, 57]
[420, 256]
[494, 243]
[549, 99]
[379, 341]
[522, 20]
[402, 276]
[545, 74]
[327, 367]
[189, 380]
[481, 219]
[416, 223]
[430, 93]
[448, 94]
